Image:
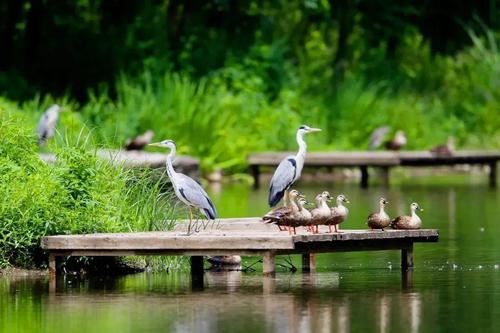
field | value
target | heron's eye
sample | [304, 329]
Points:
[303, 127]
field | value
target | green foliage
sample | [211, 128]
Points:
[79, 194]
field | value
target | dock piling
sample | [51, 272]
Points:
[407, 258]
[269, 263]
[493, 174]
[308, 262]
[197, 272]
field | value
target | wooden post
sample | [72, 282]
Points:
[407, 258]
[269, 263]
[364, 176]
[52, 265]
[255, 171]
[197, 272]
[308, 262]
[386, 176]
[407, 279]
[493, 174]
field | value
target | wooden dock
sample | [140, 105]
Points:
[379, 159]
[141, 159]
[237, 236]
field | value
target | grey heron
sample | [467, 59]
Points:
[140, 141]
[187, 190]
[47, 123]
[289, 169]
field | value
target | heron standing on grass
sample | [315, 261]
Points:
[290, 169]
[187, 190]
[47, 124]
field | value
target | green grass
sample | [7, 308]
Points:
[80, 193]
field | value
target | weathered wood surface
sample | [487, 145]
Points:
[230, 235]
[377, 158]
[141, 159]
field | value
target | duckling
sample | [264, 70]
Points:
[379, 220]
[338, 214]
[279, 215]
[398, 142]
[408, 222]
[445, 150]
[322, 212]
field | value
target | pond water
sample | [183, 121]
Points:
[456, 282]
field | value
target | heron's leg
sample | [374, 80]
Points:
[190, 220]
[286, 198]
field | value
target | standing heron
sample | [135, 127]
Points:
[290, 169]
[47, 124]
[187, 190]
[377, 137]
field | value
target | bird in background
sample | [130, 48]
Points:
[140, 141]
[47, 124]
[378, 135]
[187, 190]
[446, 149]
[289, 169]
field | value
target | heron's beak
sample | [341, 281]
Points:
[156, 144]
[312, 129]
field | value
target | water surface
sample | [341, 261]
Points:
[456, 282]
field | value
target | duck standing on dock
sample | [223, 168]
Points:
[321, 213]
[381, 219]
[281, 214]
[408, 222]
[47, 124]
[289, 169]
[398, 141]
[187, 190]
[140, 141]
[338, 213]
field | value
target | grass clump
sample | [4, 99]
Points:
[78, 194]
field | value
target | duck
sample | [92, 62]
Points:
[299, 218]
[280, 215]
[408, 222]
[140, 141]
[380, 219]
[446, 149]
[321, 213]
[398, 141]
[338, 213]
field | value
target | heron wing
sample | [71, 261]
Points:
[42, 125]
[283, 178]
[196, 195]
[377, 137]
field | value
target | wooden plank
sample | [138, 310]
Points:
[378, 158]
[346, 158]
[167, 241]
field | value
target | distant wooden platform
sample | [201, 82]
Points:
[381, 159]
[141, 159]
[237, 236]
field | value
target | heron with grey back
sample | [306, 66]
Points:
[377, 137]
[187, 190]
[47, 124]
[289, 169]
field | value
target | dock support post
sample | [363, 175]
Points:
[407, 258]
[364, 176]
[493, 174]
[255, 171]
[386, 176]
[197, 272]
[52, 265]
[269, 264]
[308, 262]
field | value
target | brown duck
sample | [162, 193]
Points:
[338, 213]
[140, 141]
[398, 142]
[379, 220]
[282, 215]
[408, 222]
[321, 213]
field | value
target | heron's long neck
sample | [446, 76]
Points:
[170, 167]
[301, 154]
